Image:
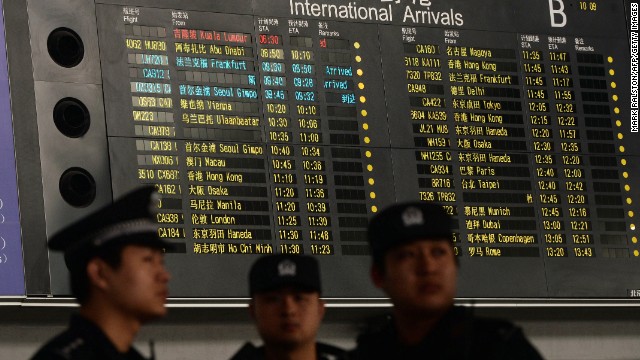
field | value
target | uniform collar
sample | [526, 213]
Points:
[94, 334]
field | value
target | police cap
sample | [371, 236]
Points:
[129, 220]
[273, 272]
[406, 222]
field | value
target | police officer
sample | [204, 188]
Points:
[287, 310]
[116, 263]
[415, 265]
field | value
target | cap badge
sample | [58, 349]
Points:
[412, 216]
[287, 268]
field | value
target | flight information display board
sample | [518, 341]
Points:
[11, 266]
[282, 126]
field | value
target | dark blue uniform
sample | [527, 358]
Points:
[323, 351]
[458, 335]
[83, 340]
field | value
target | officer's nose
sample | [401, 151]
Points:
[288, 305]
[425, 263]
[165, 276]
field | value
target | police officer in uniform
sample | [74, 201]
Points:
[415, 265]
[116, 263]
[287, 310]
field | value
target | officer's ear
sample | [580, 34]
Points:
[96, 269]
[321, 307]
[252, 309]
[377, 275]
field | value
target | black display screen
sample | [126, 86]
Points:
[283, 126]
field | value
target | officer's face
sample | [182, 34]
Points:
[419, 277]
[287, 317]
[138, 287]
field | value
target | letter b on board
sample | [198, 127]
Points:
[556, 11]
